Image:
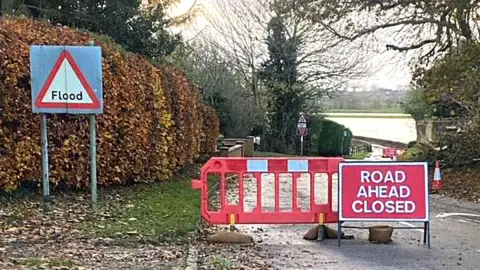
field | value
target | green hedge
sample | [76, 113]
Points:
[313, 139]
[326, 137]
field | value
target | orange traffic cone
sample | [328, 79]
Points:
[437, 177]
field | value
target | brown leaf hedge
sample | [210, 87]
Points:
[154, 120]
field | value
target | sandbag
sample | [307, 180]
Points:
[321, 232]
[230, 238]
[380, 234]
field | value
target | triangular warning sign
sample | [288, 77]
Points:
[302, 119]
[66, 87]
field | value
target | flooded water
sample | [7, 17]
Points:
[386, 126]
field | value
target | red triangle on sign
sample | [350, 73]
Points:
[59, 97]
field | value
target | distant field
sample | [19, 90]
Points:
[366, 115]
[395, 127]
[391, 110]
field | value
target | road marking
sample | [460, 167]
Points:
[478, 250]
[464, 221]
[444, 215]
[411, 225]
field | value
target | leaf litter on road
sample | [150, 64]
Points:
[226, 256]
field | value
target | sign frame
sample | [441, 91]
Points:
[302, 131]
[86, 65]
[426, 221]
[340, 196]
[302, 119]
[86, 62]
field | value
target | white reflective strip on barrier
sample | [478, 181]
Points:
[297, 165]
[257, 165]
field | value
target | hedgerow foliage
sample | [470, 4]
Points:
[327, 138]
[154, 120]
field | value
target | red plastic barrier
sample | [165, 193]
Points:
[245, 168]
[388, 152]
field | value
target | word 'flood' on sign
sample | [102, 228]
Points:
[59, 95]
[383, 191]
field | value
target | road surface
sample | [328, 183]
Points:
[455, 244]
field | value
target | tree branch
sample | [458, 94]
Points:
[411, 47]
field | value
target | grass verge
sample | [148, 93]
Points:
[153, 213]
[34, 262]
[270, 154]
[359, 155]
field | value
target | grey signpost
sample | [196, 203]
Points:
[67, 80]
[343, 141]
[302, 130]
[45, 176]
[93, 150]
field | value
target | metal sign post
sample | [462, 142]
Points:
[93, 153]
[302, 130]
[343, 142]
[301, 145]
[67, 80]
[44, 138]
[93, 158]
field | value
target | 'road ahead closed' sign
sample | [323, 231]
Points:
[393, 191]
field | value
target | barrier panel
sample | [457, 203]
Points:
[384, 191]
[260, 186]
[389, 152]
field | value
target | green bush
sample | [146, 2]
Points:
[420, 152]
[414, 153]
[326, 138]
[313, 139]
[347, 141]
[416, 105]
[412, 144]
[154, 120]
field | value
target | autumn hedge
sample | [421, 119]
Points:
[154, 120]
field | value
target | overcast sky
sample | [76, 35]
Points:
[393, 71]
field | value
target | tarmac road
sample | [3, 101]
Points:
[455, 244]
[455, 241]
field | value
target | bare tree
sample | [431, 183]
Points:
[426, 26]
[325, 62]
[221, 86]
[240, 30]
[238, 37]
